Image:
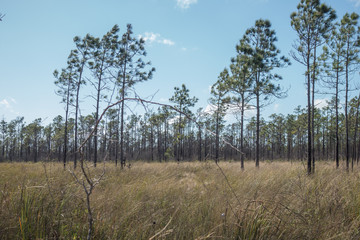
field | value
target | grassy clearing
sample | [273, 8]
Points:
[182, 201]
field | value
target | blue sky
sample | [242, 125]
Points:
[188, 41]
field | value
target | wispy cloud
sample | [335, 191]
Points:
[151, 37]
[233, 111]
[321, 103]
[184, 4]
[357, 2]
[167, 42]
[6, 105]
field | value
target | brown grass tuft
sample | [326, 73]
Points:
[182, 201]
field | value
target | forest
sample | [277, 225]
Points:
[134, 168]
[101, 71]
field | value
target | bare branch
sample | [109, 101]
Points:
[144, 102]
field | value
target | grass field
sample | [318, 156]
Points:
[182, 201]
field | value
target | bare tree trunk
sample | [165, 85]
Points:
[117, 138]
[122, 158]
[96, 119]
[242, 132]
[76, 125]
[309, 116]
[257, 130]
[337, 119]
[66, 122]
[199, 143]
[217, 136]
[159, 143]
[313, 110]
[77, 115]
[346, 116]
[152, 142]
[356, 129]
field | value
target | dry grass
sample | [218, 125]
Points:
[182, 201]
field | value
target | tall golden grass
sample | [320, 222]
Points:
[182, 201]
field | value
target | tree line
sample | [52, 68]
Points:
[154, 136]
[104, 70]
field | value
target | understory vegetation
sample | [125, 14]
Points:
[187, 200]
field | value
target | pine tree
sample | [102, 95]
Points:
[312, 22]
[260, 45]
[183, 102]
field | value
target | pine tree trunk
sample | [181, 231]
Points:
[356, 130]
[122, 159]
[309, 170]
[257, 130]
[337, 119]
[346, 115]
[242, 132]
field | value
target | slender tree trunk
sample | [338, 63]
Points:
[242, 132]
[65, 136]
[323, 143]
[66, 121]
[76, 115]
[117, 138]
[152, 142]
[3, 147]
[165, 136]
[356, 129]
[217, 136]
[309, 115]
[199, 144]
[346, 114]
[76, 123]
[35, 149]
[122, 159]
[205, 146]
[313, 109]
[257, 129]
[159, 141]
[337, 119]
[179, 138]
[96, 120]
[289, 148]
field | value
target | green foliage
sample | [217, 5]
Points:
[182, 99]
[131, 68]
[169, 154]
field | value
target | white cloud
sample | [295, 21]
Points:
[210, 109]
[168, 42]
[173, 120]
[233, 112]
[5, 103]
[151, 37]
[321, 103]
[357, 2]
[184, 4]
